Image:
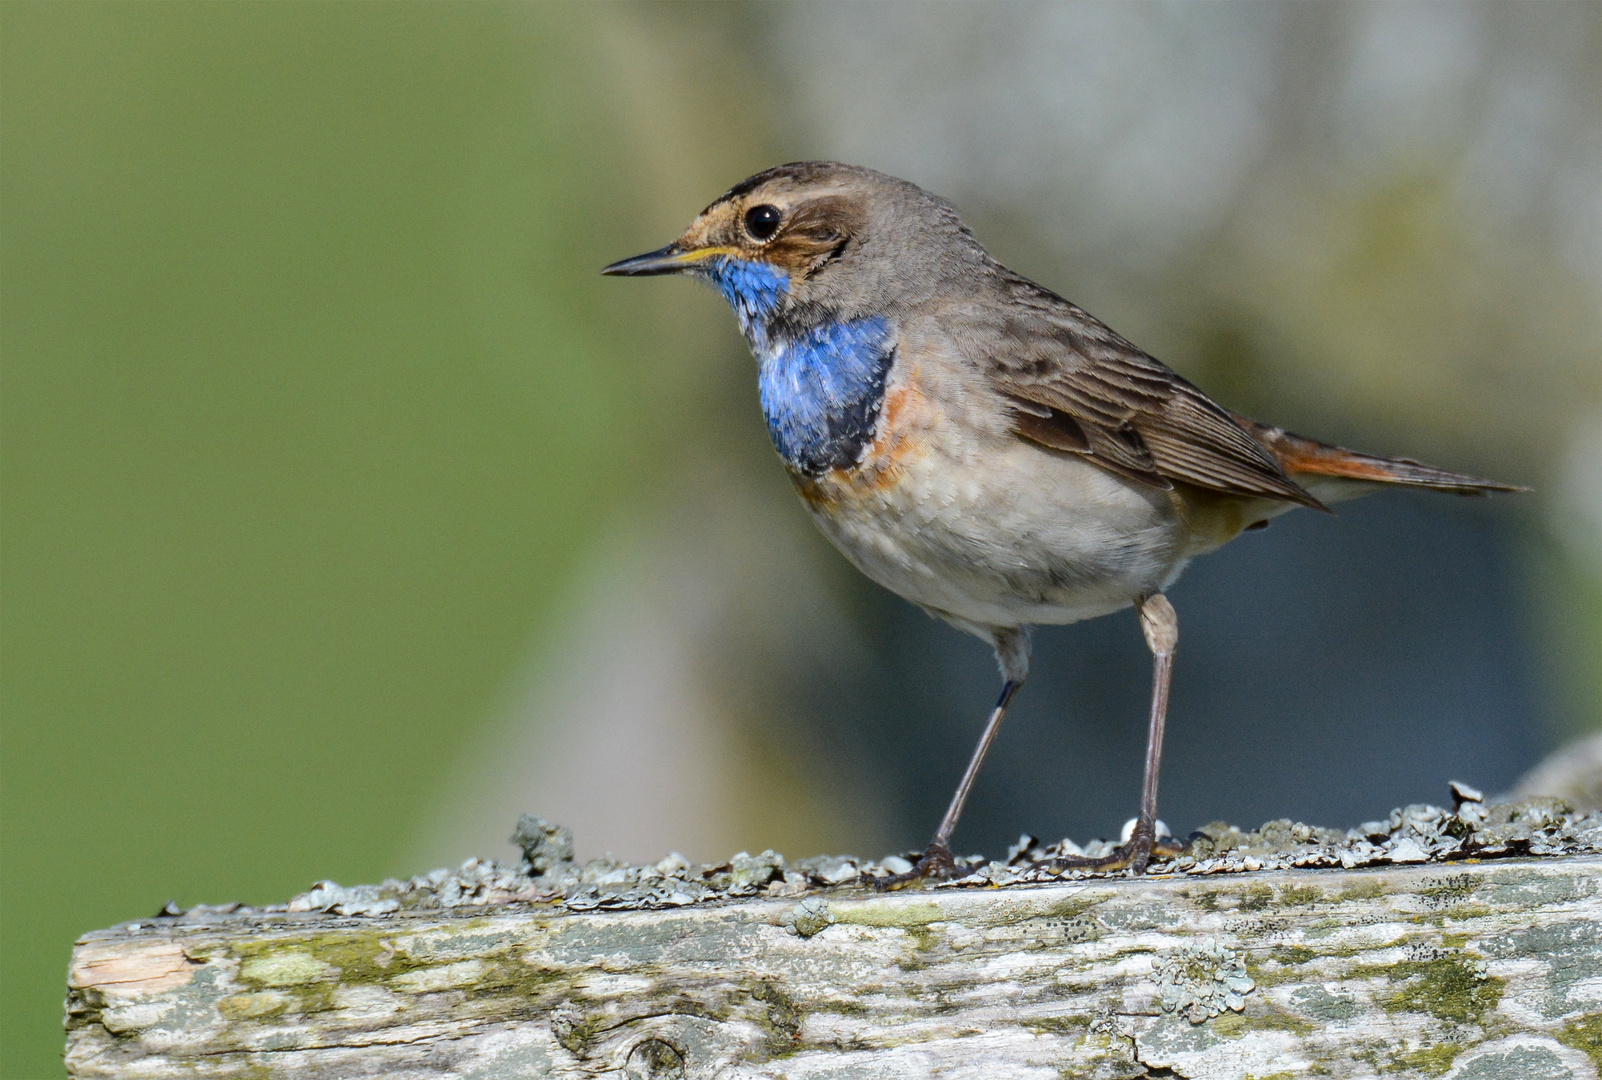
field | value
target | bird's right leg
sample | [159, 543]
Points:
[1012, 653]
[1161, 627]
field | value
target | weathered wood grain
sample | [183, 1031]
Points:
[1469, 970]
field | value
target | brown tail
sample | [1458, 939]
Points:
[1302, 457]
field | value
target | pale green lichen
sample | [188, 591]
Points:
[367, 955]
[1449, 890]
[1585, 1035]
[1300, 895]
[285, 967]
[904, 913]
[1256, 897]
[1286, 963]
[1517, 1062]
[1262, 1016]
[573, 1030]
[781, 1019]
[319, 965]
[1076, 1025]
[1201, 979]
[259, 1005]
[1452, 987]
[1429, 1060]
[1321, 1004]
[811, 916]
[1370, 889]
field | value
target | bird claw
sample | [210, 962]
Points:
[1137, 854]
[1169, 848]
[937, 864]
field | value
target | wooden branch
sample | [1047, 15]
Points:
[1475, 969]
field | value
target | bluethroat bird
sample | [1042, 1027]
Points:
[981, 446]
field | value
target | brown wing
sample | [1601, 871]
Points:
[1077, 386]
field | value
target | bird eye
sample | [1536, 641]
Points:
[762, 221]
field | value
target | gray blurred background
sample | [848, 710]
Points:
[1376, 224]
[348, 513]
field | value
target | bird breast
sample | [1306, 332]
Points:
[822, 392]
[949, 509]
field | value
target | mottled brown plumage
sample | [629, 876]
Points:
[1080, 387]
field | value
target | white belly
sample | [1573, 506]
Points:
[1013, 535]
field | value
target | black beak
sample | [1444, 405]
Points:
[666, 260]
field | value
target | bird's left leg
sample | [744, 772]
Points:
[1012, 653]
[1161, 626]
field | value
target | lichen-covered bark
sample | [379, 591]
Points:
[1469, 970]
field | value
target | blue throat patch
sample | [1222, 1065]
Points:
[821, 393]
[821, 390]
[754, 290]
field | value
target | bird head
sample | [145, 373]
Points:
[815, 241]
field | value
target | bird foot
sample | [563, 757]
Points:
[937, 864]
[1138, 852]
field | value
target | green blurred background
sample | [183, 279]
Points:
[322, 437]
[311, 396]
